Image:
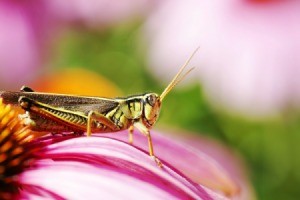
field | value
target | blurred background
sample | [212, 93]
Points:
[244, 92]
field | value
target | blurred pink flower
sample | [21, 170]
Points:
[71, 167]
[249, 57]
[28, 26]
[23, 27]
[95, 13]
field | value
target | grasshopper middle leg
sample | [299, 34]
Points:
[92, 115]
[130, 134]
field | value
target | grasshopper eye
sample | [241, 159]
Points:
[151, 99]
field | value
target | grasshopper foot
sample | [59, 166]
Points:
[157, 161]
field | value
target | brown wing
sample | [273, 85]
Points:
[70, 102]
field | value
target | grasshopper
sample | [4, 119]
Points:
[57, 113]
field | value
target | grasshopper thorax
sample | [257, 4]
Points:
[151, 109]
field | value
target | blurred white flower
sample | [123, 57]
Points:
[249, 58]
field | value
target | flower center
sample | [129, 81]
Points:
[15, 152]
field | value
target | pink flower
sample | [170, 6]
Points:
[70, 167]
[249, 50]
[28, 27]
[101, 13]
[23, 31]
[204, 161]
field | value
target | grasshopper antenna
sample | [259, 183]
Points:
[179, 76]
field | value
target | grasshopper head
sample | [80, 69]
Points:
[152, 103]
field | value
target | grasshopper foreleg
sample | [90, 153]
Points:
[145, 131]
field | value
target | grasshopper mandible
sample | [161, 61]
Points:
[57, 113]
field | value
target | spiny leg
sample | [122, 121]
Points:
[75, 133]
[78, 133]
[92, 115]
[59, 134]
[145, 131]
[55, 134]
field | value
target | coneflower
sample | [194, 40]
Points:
[16, 155]
[34, 165]
[19, 150]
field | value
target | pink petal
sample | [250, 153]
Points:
[26, 27]
[86, 167]
[18, 52]
[202, 160]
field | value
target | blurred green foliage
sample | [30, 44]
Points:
[270, 147]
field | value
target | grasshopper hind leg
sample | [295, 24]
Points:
[46, 118]
[78, 133]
